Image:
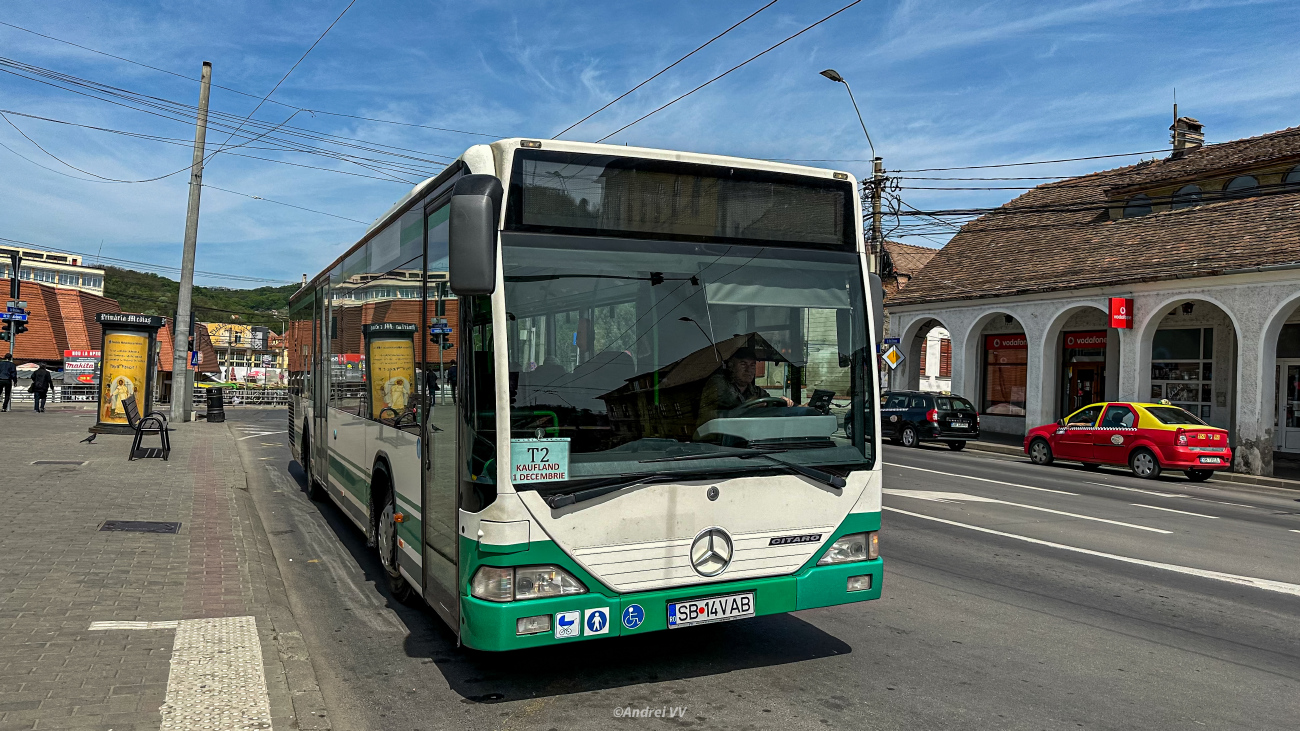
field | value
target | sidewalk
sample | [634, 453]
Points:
[77, 647]
[1279, 482]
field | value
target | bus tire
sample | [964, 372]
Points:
[1198, 475]
[386, 538]
[956, 446]
[314, 490]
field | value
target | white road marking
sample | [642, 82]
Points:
[1171, 510]
[1134, 489]
[166, 624]
[1293, 530]
[217, 679]
[1266, 584]
[944, 497]
[262, 434]
[981, 479]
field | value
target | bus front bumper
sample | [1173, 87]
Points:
[492, 626]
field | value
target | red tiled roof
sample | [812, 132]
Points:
[1060, 235]
[58, 320]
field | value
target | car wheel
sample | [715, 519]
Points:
[386, 543]
[1144, 464]
[909, 437]
[1091, 466]
[1198, 475]
[956, 446]
[848, 426]
[1040, 452]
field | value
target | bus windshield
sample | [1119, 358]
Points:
[646, 356]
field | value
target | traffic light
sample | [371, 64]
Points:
[5, 333]
[19, 328]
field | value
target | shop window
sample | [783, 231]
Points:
[1182, 368]
[1188, 196]
[1138, 205]
[1006, 359]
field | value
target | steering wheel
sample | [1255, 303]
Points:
[762, 401]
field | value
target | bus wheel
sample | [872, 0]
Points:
[1198, 475]
[956, 446]
[386, 542]
[314, 491]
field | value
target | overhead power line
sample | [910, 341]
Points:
[696, 50]
[282, 203]
[1034, 162]
[787, 39]
[152, 268]
[301, 58]
[247, 94]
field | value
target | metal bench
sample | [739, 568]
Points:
[152, 423]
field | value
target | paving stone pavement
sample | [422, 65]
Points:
[59, 573]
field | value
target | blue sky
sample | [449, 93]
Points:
[939, 83]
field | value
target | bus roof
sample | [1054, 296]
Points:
[505, 148]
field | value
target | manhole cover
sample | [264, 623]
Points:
[140, 526]
[74, 462]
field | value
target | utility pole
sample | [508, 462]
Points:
[877, 242]
[182, 383]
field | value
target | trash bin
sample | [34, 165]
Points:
[216, 407]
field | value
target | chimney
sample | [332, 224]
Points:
[1186, 134]
[304, 280]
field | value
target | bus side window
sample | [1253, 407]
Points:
[477, 403]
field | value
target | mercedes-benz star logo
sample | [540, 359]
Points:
[711, 552]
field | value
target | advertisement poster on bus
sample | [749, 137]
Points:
[124, 374]
[391, 361]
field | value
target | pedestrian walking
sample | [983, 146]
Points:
[451, 378]
[42, 382]
[8, 377]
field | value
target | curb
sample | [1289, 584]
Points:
[1234, 477]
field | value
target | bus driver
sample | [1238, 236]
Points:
[733, 386]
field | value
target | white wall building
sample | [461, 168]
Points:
[1205, 244]
[64, 271]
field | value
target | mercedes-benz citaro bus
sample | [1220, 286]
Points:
[573, 391]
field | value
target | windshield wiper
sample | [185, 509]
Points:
[604, 487]
[811, 473]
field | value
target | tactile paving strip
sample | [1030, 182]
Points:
[217, 680]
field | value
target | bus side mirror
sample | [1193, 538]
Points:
[877, 304]
[472, 235]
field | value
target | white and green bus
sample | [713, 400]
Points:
[675, 342]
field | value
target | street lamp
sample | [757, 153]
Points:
[834, 75]
[877, 178]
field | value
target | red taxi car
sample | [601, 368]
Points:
[1147, 438]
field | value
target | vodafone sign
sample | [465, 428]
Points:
[1121, 313]
[1092, 340]
[1014, 341]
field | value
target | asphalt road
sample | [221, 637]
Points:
[1016, 597]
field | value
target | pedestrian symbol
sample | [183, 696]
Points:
[596, 621]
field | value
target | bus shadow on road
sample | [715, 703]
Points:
[616, 662]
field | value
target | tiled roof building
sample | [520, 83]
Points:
[1201, 247]
[58, 320]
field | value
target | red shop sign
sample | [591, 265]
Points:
[1121, 313]
[1006, 342]
[1092, 340]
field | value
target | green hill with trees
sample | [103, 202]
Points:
[151, 294]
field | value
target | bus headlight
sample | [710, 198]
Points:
[497, 584]
[850, 548]
[539, 582]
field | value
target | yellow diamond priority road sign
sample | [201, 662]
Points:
[893, 356]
